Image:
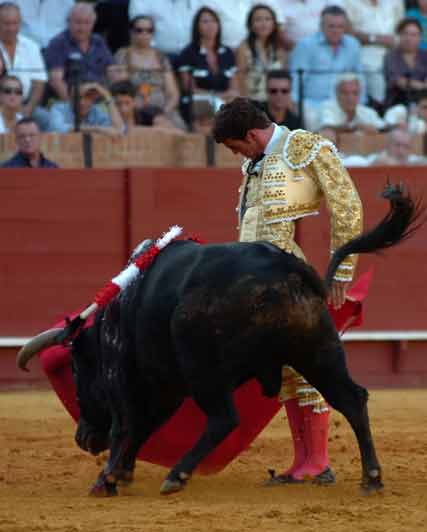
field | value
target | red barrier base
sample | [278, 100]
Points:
[166, 446]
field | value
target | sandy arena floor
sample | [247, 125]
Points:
[45, 478]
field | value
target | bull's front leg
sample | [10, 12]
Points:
[134, 423]
[119, 396]
[222, 418]
[106, 483]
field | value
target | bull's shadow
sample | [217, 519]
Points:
[203, 320]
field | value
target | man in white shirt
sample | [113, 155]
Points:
[43, 19]
[345, 112]
[174, 19]
[22, 57]
[373, 22]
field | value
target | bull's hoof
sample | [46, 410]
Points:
[372, 483]
[171, 486]
[103, 488]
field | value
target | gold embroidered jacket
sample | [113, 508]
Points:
[303, 169]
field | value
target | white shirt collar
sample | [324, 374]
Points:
[277, 133]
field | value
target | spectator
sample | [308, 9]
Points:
[260, 52]
[415, 119]
[279, 106]
[28, 140]
[345, 113]
[323, 56]
[115, 73]
[405, 66]
[398, 150]
[10, 102]
[420, 13]
[206, 66]
[373, 22]
[301, 17]
[173, 20]
[151, 72]
[22, 57]
[124, 94]
[94, 117]
[43, 19]
[234, 16]
[77, 47]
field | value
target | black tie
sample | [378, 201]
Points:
[253, 163]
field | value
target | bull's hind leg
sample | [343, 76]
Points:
[216, 401]
[329, 375]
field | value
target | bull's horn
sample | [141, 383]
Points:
[33, 346]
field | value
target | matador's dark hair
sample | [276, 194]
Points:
[236, 118]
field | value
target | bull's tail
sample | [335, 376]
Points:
[402, 220]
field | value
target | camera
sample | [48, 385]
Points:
[74, 68]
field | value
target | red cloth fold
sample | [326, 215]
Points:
[166, 446]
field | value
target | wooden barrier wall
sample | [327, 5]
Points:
[157, 147]
[63, 233]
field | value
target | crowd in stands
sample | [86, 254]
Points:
[110, 66]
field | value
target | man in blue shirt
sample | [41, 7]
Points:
[78, 47]
[28, 139]
[323, 56]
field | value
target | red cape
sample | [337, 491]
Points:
[166, 446]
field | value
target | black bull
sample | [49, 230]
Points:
[203, 320]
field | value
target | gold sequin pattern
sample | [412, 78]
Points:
[301, 147]
[343, 203]
[294, 386]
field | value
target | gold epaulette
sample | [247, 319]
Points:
[302, 147]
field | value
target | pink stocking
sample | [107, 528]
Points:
[296, 424]
[316, 441]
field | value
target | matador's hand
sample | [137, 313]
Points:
[338, 293]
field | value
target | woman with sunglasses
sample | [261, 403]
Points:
[10, 102]
[207, 68]
[150, 72]
[260, 52]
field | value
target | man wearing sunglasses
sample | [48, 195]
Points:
[279, 106]
[286, 174]
[10, 102]
[22, 57]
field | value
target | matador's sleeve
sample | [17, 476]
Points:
[344, 205]
[342, 198]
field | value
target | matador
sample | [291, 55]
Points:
[286, 176]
